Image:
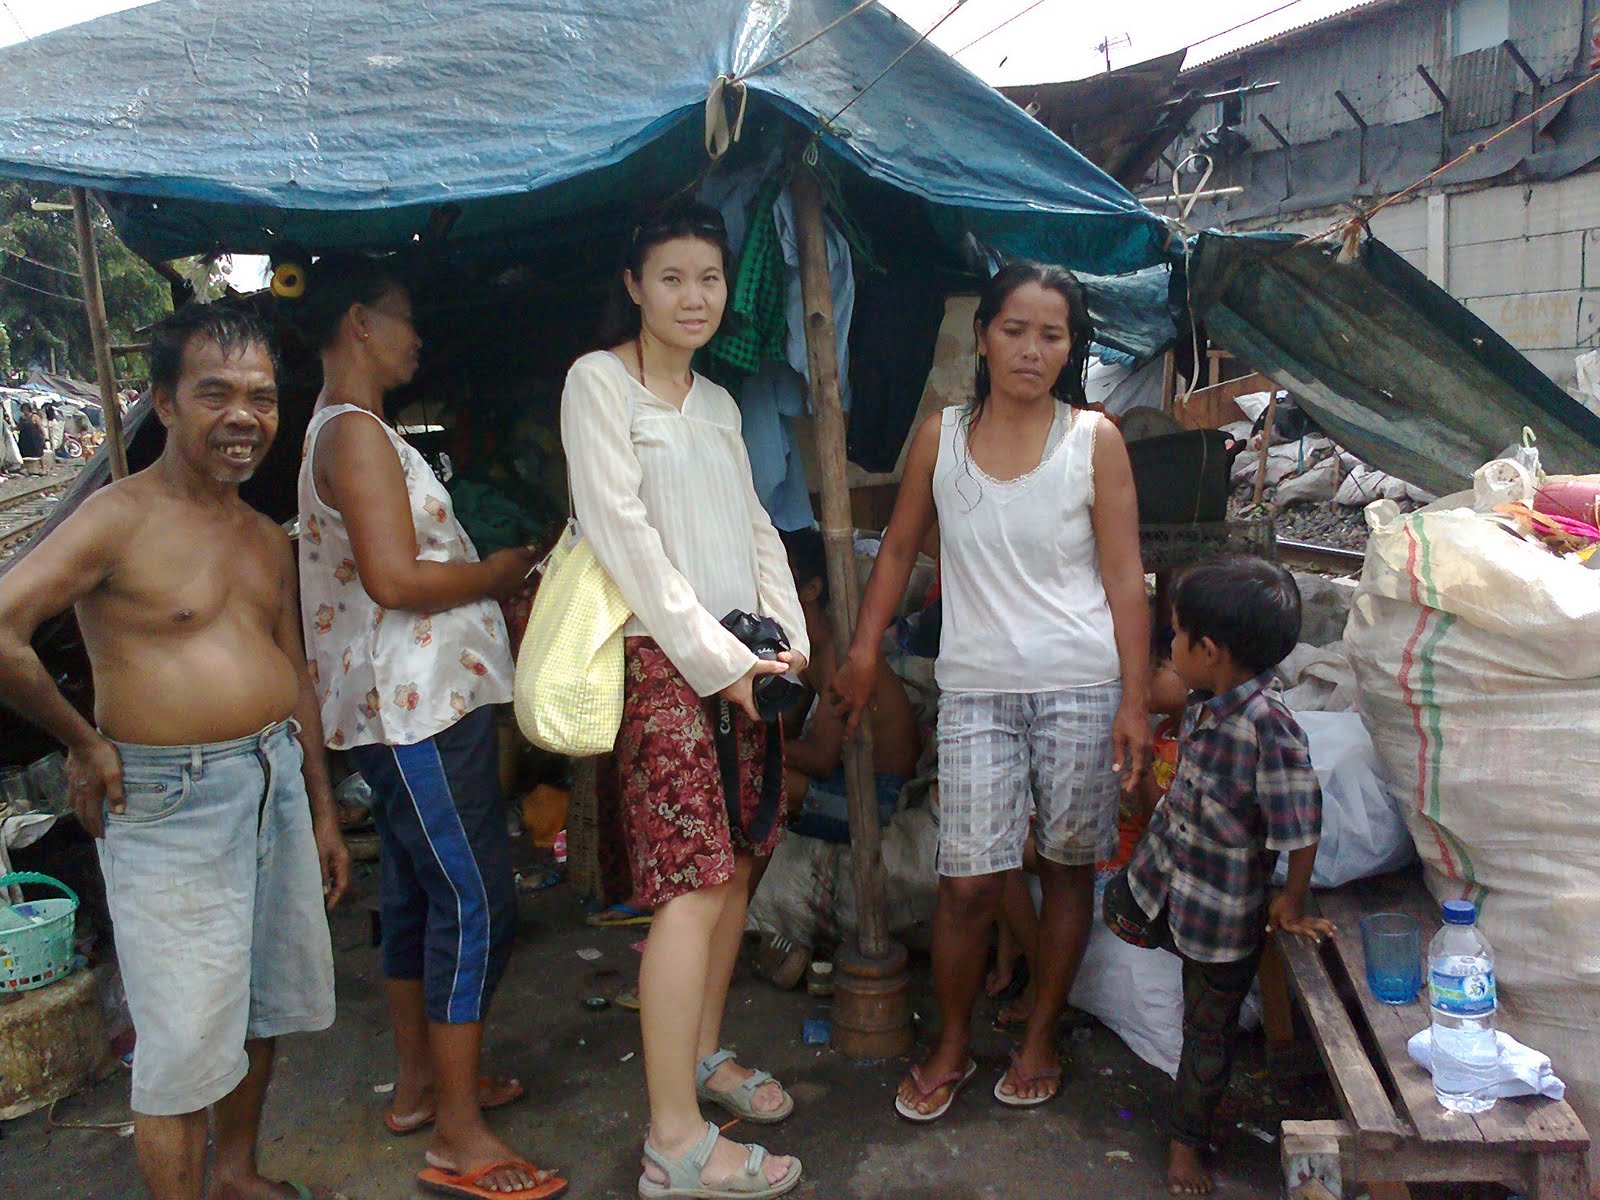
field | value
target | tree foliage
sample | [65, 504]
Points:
[41, 294]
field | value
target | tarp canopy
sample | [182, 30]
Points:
[215, 125]
[1387, 363]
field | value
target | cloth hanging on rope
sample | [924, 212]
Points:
[758, 293]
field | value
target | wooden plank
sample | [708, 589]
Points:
[1277, 1015]
[1532, 1123]
[1392, 1024]
[1360, 1091]
[1527, 1122]
[1311, 1153]
[1558, 1177]
[1214, 407]
[1417, 1161]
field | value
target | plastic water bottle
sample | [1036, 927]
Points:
[1461, 993]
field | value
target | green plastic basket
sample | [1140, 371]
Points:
[36, 935]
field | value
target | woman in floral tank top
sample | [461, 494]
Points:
[409, 653]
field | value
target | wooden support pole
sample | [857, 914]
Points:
[838, 533]
[94, 304]
[1266, 444]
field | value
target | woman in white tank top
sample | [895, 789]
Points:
[1043, 658]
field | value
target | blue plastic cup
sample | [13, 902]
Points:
[1392, 945]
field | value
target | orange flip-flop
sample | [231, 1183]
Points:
[465, 1183]
[416, 1124]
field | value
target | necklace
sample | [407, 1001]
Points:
[638, 352]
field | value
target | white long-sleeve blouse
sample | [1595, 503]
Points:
[665, 498]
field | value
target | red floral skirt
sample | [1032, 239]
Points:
[673, 815]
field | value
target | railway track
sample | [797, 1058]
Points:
[1320, 558]
[23, 513]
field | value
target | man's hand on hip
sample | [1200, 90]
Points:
[94, 780]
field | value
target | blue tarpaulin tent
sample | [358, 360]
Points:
[214, 125]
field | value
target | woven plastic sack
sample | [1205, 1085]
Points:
[1477, 662]
[568, 690]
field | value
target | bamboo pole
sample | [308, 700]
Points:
[838, 533]
[94, 304]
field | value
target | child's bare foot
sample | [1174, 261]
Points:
[1187, 1174]
[1014, 1014]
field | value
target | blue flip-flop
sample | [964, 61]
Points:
[619, 916]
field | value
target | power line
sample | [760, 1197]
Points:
[896, 60]
[1234, 28]
[37, 263]
[1211, 37]
[772, 62]
[42, 291]
[998, 28]
[26, 36]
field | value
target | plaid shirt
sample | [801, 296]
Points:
[1243, 791]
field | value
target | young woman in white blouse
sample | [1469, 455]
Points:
[1043, 658]
[662, 490]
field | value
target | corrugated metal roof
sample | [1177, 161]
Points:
[1208, 58]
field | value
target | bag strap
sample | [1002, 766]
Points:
[572, 509]
[725, 739]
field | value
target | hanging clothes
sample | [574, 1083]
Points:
[842, 283]
[768, 401]
[757, 296]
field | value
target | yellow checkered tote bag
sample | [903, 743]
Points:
[568, 692]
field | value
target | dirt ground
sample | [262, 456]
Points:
[585, 1112]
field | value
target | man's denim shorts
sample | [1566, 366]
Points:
[216, 900]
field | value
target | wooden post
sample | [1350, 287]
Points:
[1266, 444]
[838, 534]
[94, 304]
[872, 991]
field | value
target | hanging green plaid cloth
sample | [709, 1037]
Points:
[758, 293]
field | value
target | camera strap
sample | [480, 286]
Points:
[725, 738]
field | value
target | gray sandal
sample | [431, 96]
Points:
[741, 1101]
[683, 1175]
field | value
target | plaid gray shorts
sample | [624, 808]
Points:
[1002, 753]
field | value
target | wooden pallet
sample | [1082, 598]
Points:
[1393, 1129]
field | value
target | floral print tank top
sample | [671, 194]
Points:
[392, 677]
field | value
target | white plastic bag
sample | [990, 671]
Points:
[1363, 833]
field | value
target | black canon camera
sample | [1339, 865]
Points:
[764, 637]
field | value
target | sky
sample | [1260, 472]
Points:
[1050, 40]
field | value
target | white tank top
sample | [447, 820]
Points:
[387, 677]
[1024, 607]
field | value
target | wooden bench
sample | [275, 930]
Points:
[1393, 1129]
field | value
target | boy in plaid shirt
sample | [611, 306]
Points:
[1243, 791]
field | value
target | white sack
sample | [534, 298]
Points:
[1477, 658]
[1312, 486]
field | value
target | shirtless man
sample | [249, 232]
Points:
[205, 780]
[814, 754]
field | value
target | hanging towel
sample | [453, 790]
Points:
[1522, 1071]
